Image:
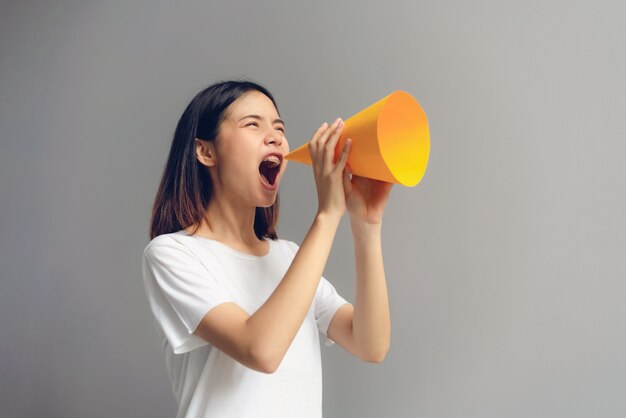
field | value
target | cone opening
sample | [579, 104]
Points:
[403, 138]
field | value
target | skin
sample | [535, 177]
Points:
[233, 163]
[261, 340]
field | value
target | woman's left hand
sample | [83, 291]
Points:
[365, 198]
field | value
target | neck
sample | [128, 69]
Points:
[232, 221]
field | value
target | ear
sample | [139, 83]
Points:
[205, 152]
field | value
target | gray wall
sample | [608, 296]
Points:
[506, 265]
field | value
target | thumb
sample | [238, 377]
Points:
[347, 181]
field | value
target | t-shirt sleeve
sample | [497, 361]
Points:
[180, 290]
[326, 303]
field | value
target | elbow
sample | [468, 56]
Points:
[267, 366]
[375, 356]
[264, 361]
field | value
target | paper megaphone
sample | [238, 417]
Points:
[390, 141]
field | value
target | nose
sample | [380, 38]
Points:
[273, 138]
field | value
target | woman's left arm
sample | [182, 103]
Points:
[365, 328]
[371, 321]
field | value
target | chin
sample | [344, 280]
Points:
[267, 205]
[268, 201]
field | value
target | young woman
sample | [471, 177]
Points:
[238, 310]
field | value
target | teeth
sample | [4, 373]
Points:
[274, 160]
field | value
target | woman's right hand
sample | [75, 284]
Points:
[329, 176]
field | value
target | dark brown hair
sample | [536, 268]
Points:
[186, 187]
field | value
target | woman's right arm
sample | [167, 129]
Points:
[261, 340]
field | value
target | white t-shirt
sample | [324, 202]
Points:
[186, 276]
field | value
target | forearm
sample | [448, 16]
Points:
[371, 318]
[275, 324]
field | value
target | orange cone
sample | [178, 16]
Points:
[390, 141]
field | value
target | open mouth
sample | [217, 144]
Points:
[269, 169]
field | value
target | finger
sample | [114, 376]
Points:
[316, 135]
[343, 159]
[330, 130]
[314, 142]
[331, 144]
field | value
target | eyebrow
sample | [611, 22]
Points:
[260, 118]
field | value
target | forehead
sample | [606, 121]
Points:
[252, 102]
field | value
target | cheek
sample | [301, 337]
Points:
[241, 167]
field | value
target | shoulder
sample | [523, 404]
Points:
[177, 255]
[172, 244]
[163, 240]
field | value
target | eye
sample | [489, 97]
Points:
[252, 123]
[280, 128]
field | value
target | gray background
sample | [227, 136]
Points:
[506, 265]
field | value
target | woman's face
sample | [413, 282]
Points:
[250, 132]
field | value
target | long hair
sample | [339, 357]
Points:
[186, 188]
